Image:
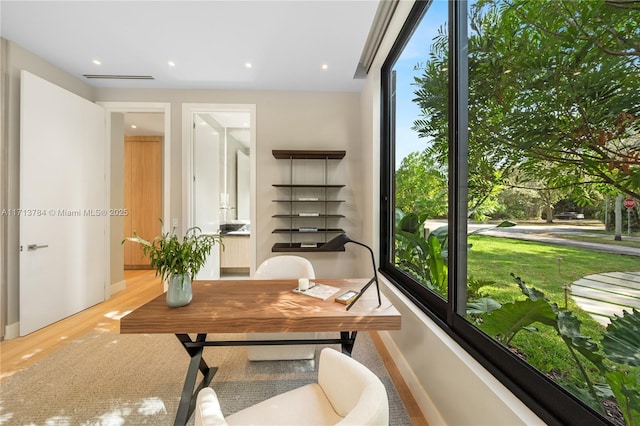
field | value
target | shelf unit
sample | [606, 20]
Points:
[319, 198]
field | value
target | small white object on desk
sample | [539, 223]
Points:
[303, 284]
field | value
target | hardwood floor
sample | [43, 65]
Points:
[19, 353]
[142, 286]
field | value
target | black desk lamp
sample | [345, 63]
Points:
[339, 242]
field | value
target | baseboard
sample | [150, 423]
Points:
[116, 287]
[12, 331]
[429, 410]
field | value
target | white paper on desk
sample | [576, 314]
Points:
[319, 291]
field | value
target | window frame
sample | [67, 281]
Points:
[543, 396]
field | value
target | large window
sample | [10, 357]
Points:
[498, 115]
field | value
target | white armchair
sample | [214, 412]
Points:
[347, 393]
[282, 267]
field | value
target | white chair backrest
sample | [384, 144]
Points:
[354, 391]
[284, 267]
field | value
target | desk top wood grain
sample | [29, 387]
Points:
[243, 306]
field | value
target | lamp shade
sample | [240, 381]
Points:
[337, 243]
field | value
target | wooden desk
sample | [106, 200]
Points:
[244, 306]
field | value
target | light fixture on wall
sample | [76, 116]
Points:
[338, 243]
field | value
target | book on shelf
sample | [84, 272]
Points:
[308, 245]
[308, 214]
[307, 229]
[307, 198]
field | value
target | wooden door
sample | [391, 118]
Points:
[142, 195]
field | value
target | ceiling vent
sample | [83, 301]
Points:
[119, 77]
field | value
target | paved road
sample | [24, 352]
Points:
[549, 234]
[549, 238]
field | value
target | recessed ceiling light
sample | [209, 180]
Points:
[133, 126]
[171, 64]
[325, 66]
[97, 62]
[248, 64]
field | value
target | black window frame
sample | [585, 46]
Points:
[543, 396]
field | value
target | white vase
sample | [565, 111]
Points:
[179, 291]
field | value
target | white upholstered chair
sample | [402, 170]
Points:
[347, 393]
[282, 267]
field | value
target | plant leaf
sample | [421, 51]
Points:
[505, 322]
[625, 385]
[482, 306]
[569, 330]
[621, 341]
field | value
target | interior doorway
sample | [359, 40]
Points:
[150, 120]
[219, 180]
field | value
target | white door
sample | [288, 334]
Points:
[63, 216]
[206, 190]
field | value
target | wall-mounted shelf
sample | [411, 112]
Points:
[308, 201]
[284, 247]
[311, 202]
[296, 154]
[307, 186]
[307, 231]
[297, 216]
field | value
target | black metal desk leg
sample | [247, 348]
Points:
[348, 341]
[188, 398]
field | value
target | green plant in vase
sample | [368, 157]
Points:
[178, 261]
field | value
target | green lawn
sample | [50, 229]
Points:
[549, 269]
[546, 267]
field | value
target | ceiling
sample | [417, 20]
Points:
[232, 45]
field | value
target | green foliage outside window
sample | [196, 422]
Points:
[554, 94]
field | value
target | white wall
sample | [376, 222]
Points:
[284, 120]
[3, 187]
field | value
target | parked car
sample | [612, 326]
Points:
[569, 215]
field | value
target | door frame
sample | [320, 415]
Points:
[128, 107]
[188, 112]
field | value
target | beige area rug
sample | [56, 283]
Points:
[113, 379]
